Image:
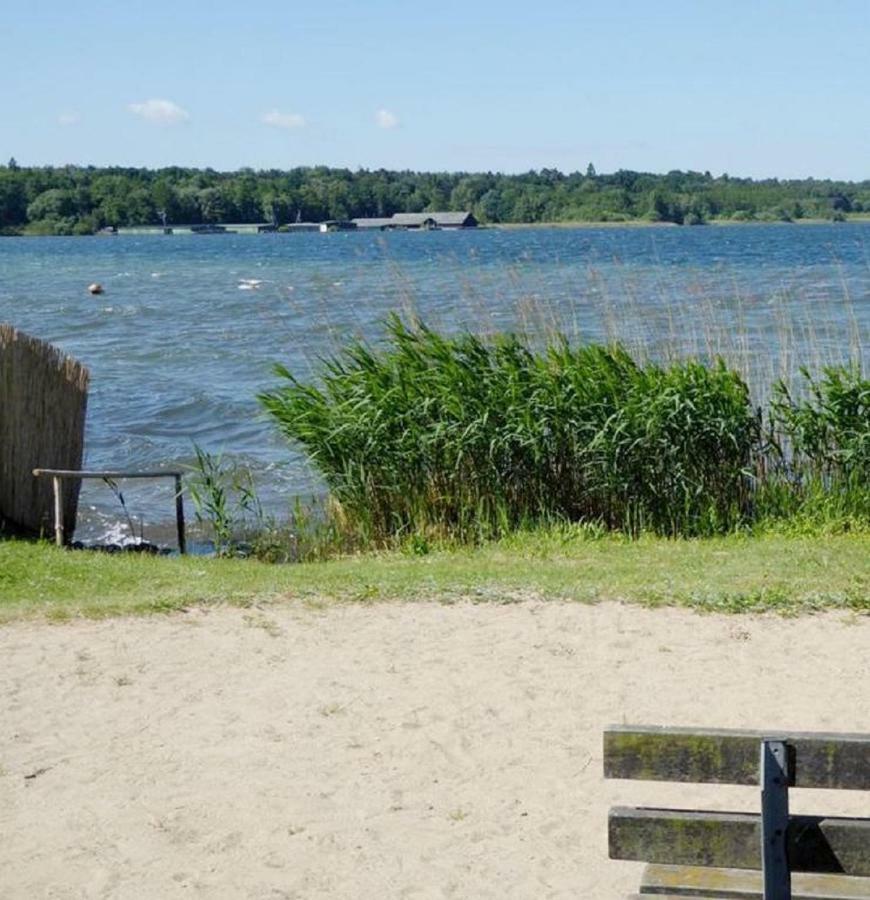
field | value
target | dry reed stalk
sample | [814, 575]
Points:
[43, 401]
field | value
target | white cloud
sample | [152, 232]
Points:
[282, 120]
[69, 117]
[386, 119]
[163, 112]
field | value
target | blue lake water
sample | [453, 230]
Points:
[183, 339]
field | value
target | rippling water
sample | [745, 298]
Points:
[182, 340]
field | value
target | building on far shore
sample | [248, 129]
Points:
[435, 220]
[337, 225]
[423, 221]
[222, 228]
[297, 227]
[381, 224]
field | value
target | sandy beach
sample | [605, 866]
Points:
[378, 751]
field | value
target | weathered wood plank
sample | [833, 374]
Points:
[720, 756]
[733, 840]
[668, 897]
[744, 884]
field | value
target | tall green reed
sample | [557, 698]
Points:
[472, 438]
[224, 500]
[820, 429]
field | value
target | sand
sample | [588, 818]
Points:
[381, 751]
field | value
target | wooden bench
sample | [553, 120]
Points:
[739, 855]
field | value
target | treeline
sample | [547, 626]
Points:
[82, 200]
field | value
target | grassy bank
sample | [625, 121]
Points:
[777, 573]
[854, 218]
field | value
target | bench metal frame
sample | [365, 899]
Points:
[774, 777]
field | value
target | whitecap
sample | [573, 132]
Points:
[117, 533]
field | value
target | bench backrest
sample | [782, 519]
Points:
[735, 840]
[720, 756]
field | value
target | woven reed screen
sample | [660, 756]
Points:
[43, 401]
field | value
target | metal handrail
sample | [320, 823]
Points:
[58, 474]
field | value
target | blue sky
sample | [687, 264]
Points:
[749, 88]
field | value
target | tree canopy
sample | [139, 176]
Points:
[82, 200]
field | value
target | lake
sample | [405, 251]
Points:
[189, 327]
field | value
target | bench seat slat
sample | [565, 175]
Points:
[744, 884]
[720, 756]
[668, 897]
[733, 840]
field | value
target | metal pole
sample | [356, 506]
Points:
[58, 511]
[774, 776]
[179, 516]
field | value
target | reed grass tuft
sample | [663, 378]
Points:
[819, 464]
[468, 439]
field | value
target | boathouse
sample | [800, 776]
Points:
[294, 227]
[380, 223]
[337, 225]
[421, 220]
[435, 220]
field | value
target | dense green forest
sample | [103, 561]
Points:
[82, 200]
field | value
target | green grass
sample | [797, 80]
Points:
[782, 573]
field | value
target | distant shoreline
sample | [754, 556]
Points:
[148, 231]
[642, 223]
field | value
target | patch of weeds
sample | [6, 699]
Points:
[367, 594]
[169, 605]
[778, 599]
[458, 814]
[655, 598]
[417, 545]
[315, 604]
[272, 628]
[224, 500]
[59, 615]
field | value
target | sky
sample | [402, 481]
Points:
[757, 89]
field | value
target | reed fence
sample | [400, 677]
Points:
[43, 401]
